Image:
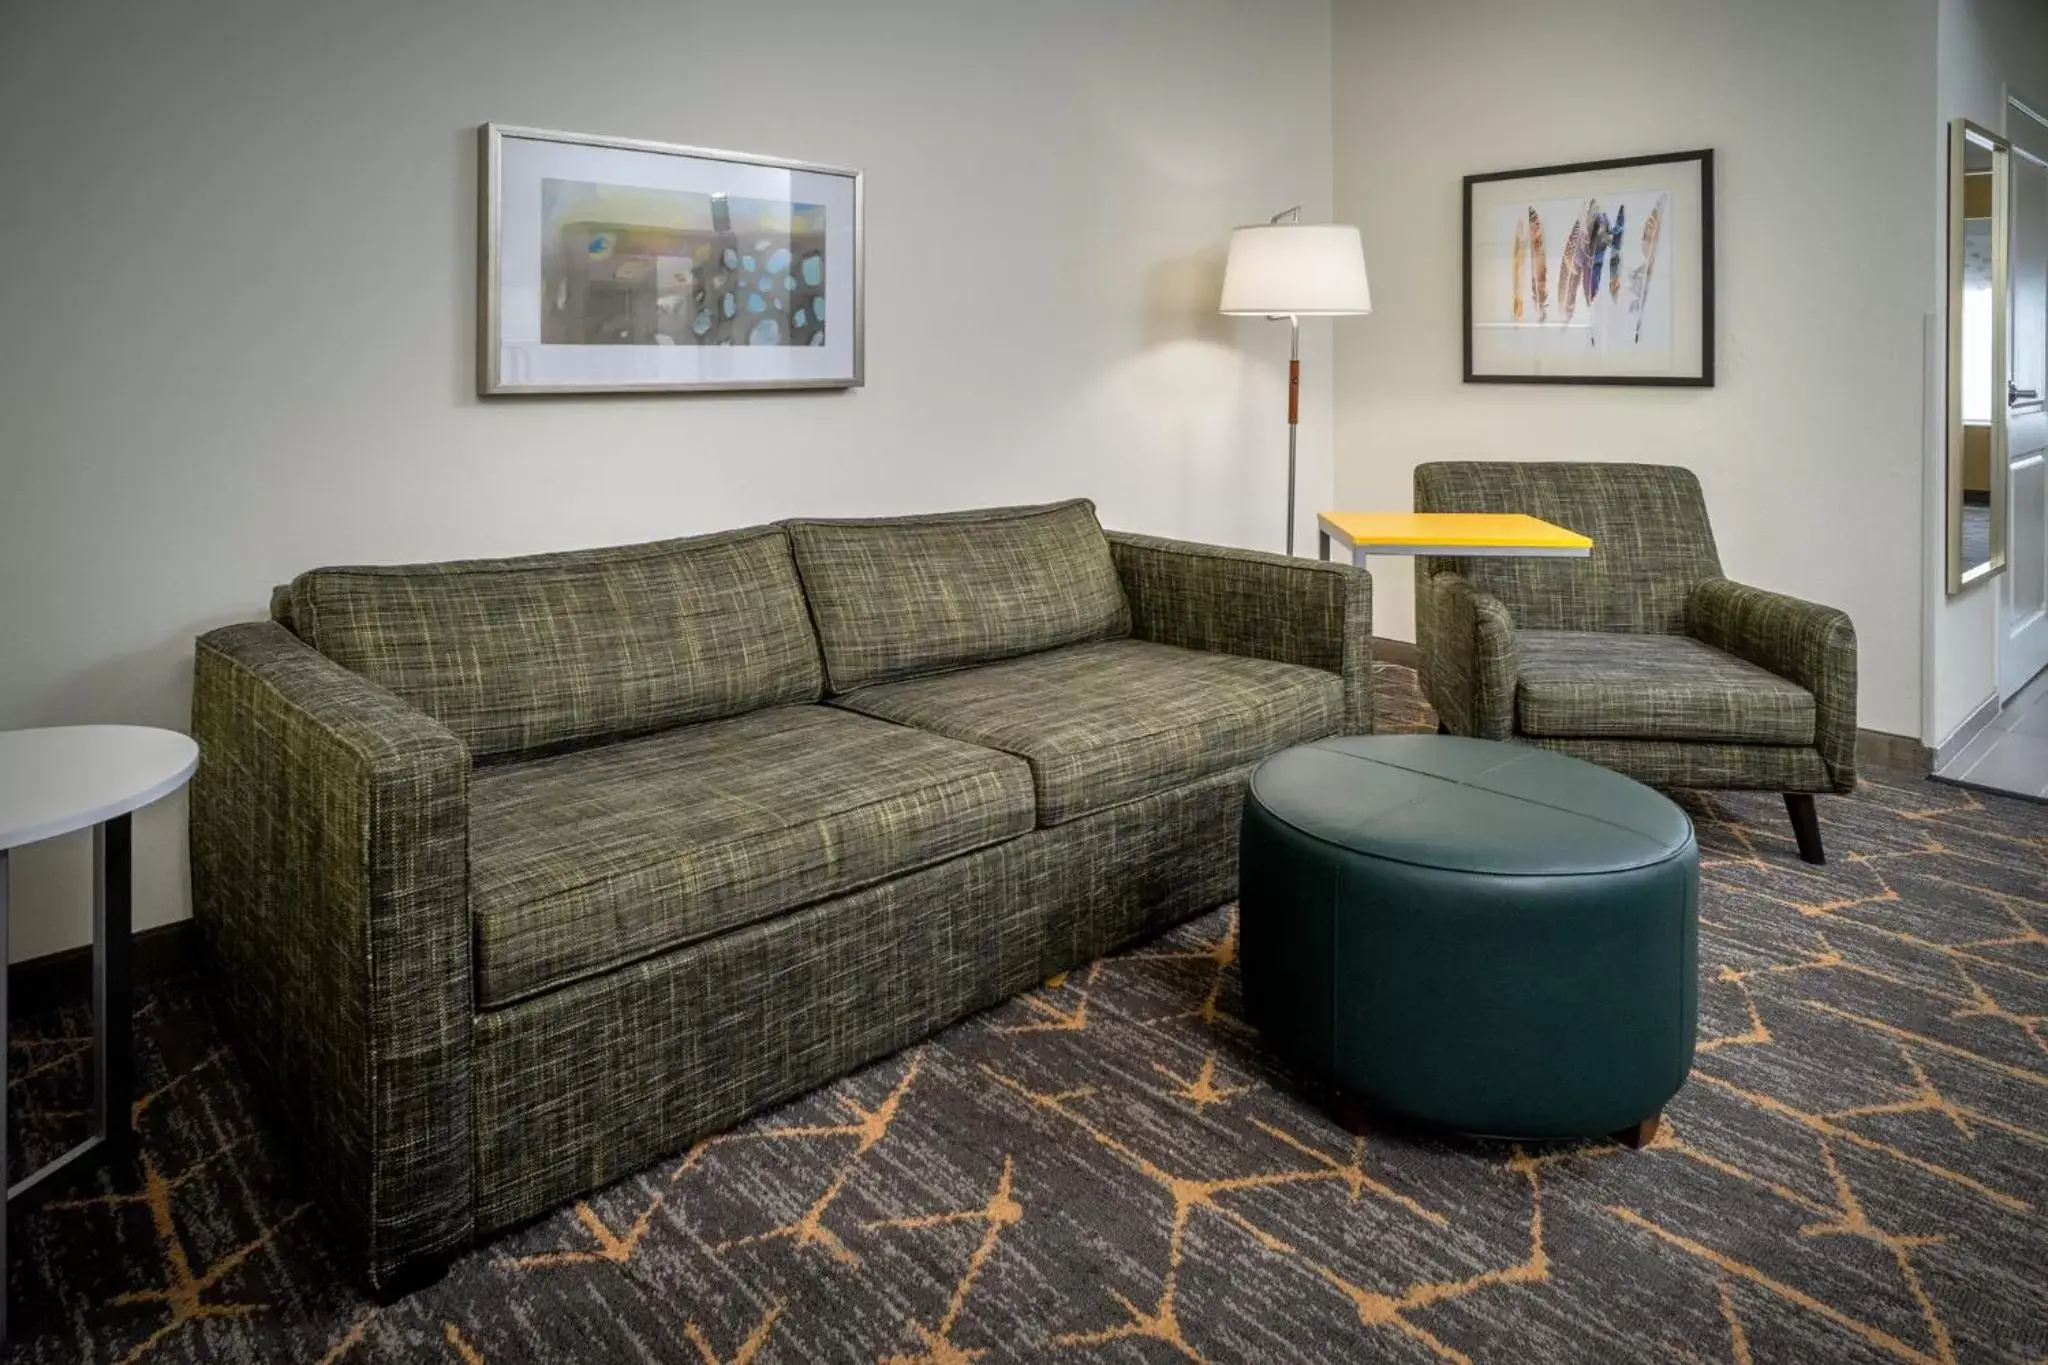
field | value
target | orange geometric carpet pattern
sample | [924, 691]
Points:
[1110, 1169]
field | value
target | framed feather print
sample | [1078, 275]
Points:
[1595, 273]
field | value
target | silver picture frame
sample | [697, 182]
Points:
[493, 382]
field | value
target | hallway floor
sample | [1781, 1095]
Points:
[2011, 753]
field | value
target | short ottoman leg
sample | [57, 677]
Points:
[1442, 728]
[1350, 1115]
[1642, 1135]
[1805, 826]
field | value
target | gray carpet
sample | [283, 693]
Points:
[1110, 1169]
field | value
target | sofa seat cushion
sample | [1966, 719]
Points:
[581, 862]
[1587, 685]
[1109, 722]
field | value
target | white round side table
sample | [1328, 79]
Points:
[52, 782]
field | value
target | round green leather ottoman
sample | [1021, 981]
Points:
[1485, 937]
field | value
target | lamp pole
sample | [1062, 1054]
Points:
[1293, 414]
[1292, 215]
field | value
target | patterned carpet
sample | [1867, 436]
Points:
[1110, 1170]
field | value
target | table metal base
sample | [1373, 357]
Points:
[113, 1041]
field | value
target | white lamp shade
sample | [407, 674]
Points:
[1298, 269]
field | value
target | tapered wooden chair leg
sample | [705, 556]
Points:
[1805, 827]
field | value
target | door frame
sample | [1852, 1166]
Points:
[2012, 672]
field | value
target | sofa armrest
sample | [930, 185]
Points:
[1471, 660]
[1261, 606]
[330, 880]
[1804, 642]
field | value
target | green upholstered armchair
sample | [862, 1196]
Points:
[1641, 657]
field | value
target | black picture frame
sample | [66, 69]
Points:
[1705, 378]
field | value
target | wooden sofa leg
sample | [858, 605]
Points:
[1805, 827]
[422, 1273]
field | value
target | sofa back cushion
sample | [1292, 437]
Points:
[539, 652]
[896, 597]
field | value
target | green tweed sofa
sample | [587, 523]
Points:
[516, 875]
[1642, 658]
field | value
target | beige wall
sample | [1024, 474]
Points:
[1811, 445]
[238, 298]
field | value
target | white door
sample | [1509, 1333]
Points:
[2023, 590]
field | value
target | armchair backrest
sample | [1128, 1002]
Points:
[1651, 541]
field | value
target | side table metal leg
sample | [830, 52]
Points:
[1322, 545]
[5, 1178]
[112, 1004]
[113, 1033]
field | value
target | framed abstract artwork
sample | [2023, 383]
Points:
[610, 265]
[1595, 273]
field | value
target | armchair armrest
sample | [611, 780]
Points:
[1812, 645]
[330, 878]
[1470, 658]
[1261, 606]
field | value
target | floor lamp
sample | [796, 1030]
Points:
[1294, 270]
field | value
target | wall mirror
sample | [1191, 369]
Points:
[1978, 195]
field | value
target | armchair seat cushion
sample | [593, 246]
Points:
[1592, 685]
[1109, 722]
[584, 861]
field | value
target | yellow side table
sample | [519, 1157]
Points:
[1446, 533]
